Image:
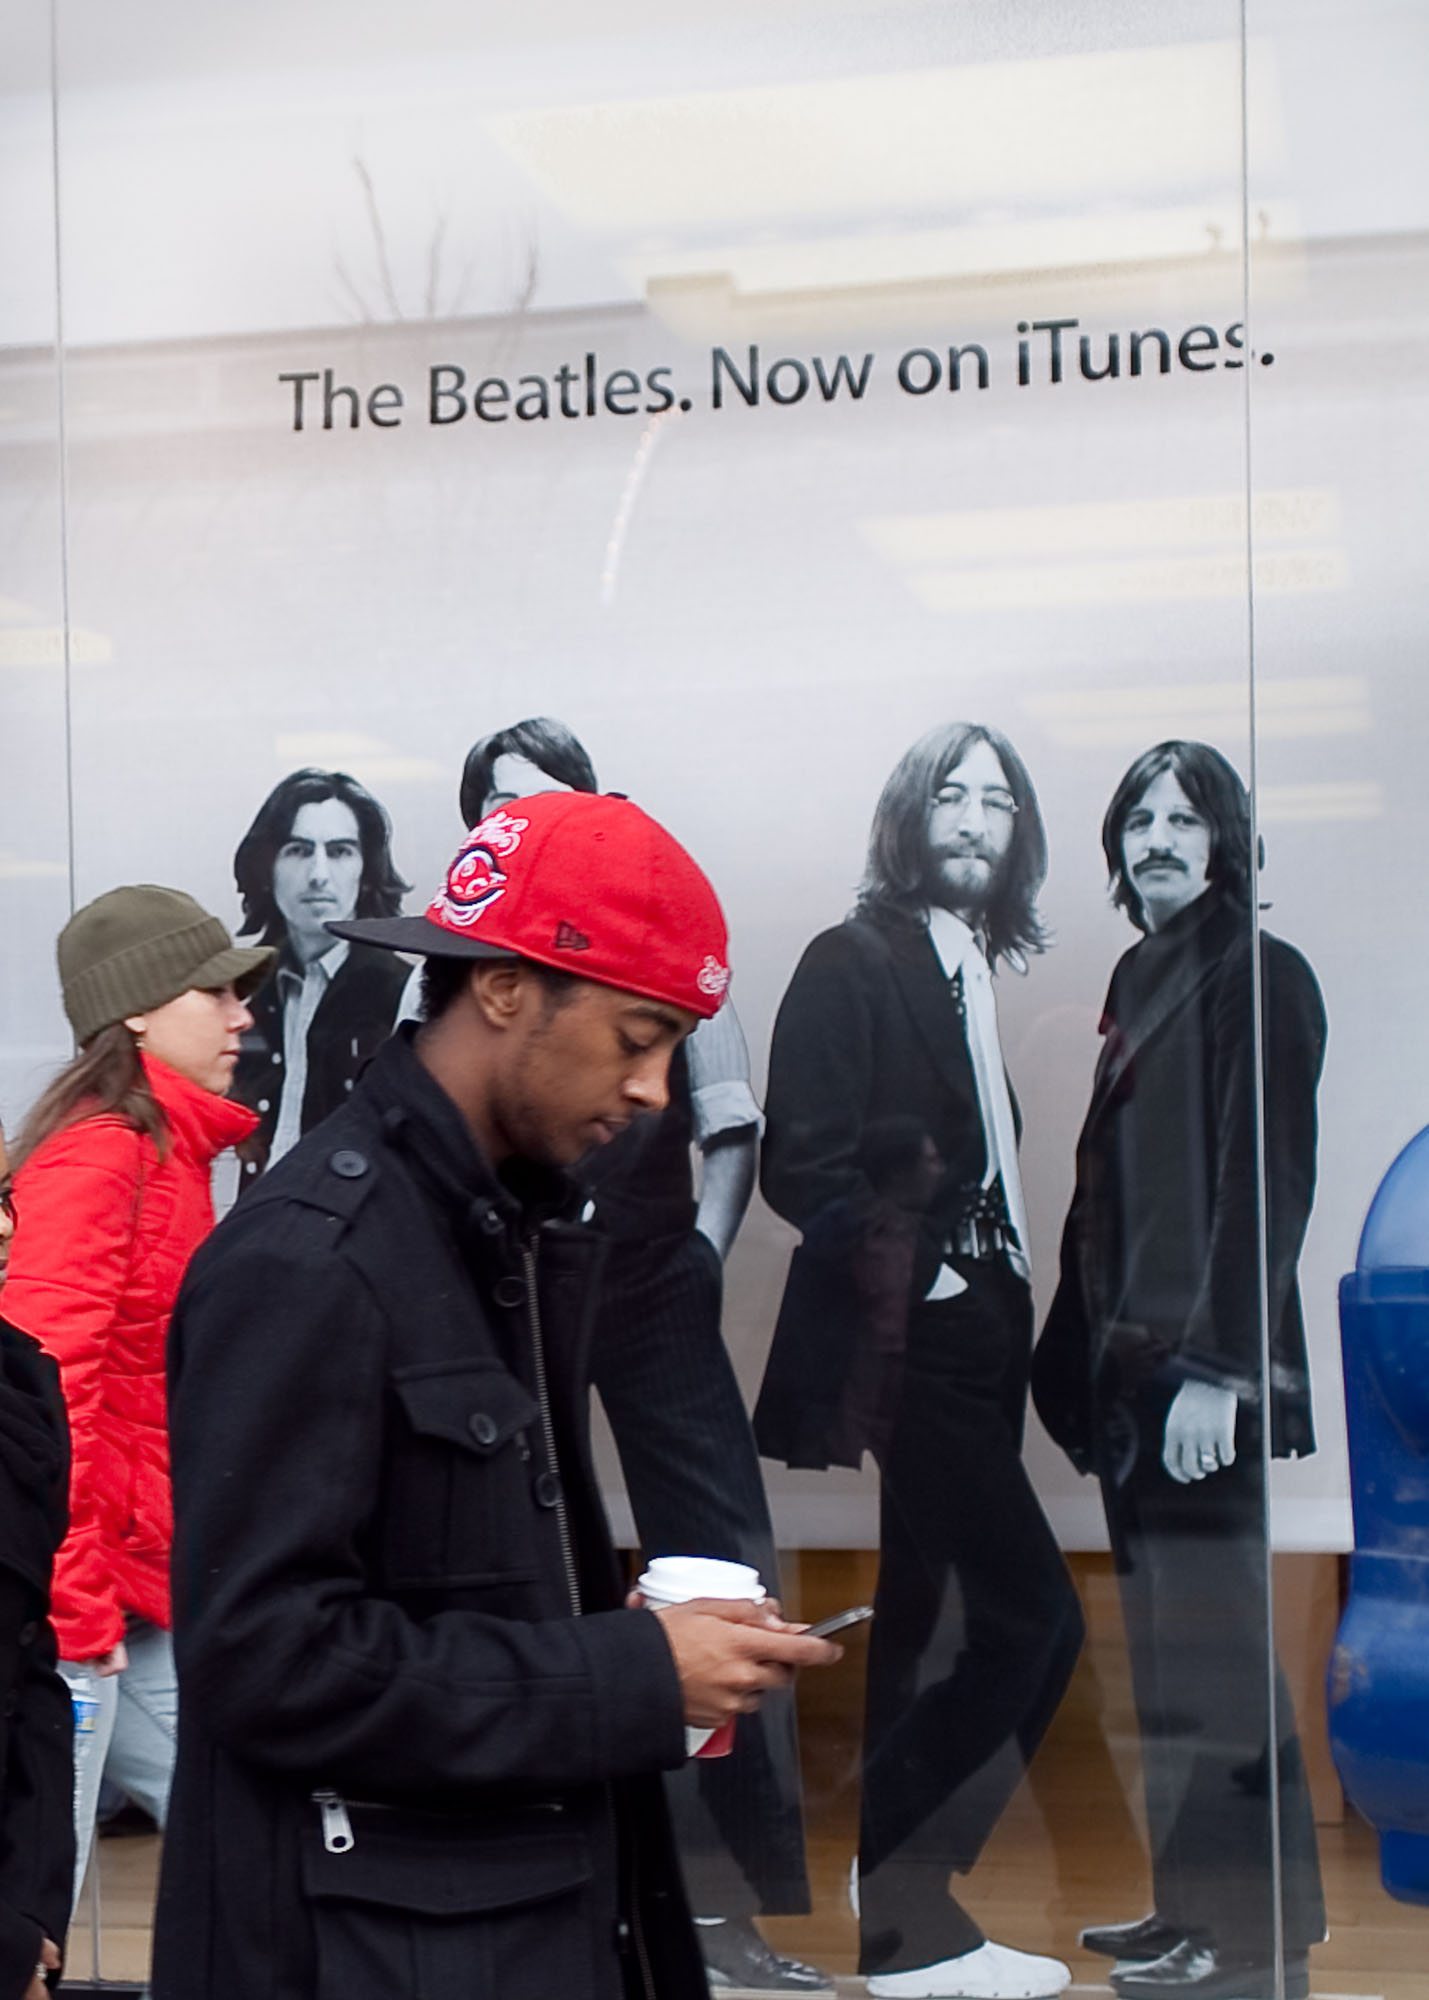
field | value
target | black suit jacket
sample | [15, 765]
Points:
[1160, 1273]
[867, 1031]
[353, 1020]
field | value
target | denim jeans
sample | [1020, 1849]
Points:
[124, 1729]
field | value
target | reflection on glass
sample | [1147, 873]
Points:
[905, 1330]
[1149, 1372]
[318, 852]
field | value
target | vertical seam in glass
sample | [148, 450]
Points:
[63, 439]
[1272, 1748]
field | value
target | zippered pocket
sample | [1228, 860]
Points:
[434, 1904]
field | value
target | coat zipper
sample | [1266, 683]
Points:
[538, 1356]
[338, 1837]
[548, 1433]
[637, 1929]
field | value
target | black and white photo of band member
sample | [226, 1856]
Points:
[905, 1330]
[319, 851]
[1149, 1371]
[668, 1387]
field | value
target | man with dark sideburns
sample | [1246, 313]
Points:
[319, 851]
[1151, 1371]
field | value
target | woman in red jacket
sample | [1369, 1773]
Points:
[113, 1179]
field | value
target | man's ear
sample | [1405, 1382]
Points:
[498, 990]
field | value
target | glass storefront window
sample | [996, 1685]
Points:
[957, 468]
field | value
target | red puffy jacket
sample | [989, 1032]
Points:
[106, 1229]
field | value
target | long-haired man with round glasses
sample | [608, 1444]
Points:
[905, 1330]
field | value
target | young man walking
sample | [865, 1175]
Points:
[420, 1733]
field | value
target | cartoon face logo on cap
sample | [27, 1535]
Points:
[476, 878]
[712, 977]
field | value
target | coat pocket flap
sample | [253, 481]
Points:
[478, 1406]
[444, 1871]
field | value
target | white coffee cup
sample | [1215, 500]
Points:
[681, 1579]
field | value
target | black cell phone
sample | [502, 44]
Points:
[826, 1627]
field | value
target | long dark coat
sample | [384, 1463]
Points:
[1160, 1270]
[866, 1033]
[36, 1759]
[386, 1520]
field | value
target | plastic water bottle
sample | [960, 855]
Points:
[84, 1697]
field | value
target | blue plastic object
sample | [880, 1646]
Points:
[1379, 1674]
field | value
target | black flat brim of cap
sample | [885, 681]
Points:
[416, 934]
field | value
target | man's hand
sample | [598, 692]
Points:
[49, 1962]
[1200, 1431]
[112, 1662]
[728, 1654]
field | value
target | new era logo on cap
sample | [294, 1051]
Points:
[575, 873]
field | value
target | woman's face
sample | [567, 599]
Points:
[7, 1219]
[197, 1034]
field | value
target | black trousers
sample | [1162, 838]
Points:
[978, 1624]
[1192, 1563]
[692, 1473]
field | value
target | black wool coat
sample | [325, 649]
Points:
[36, 1756]
[866, 1033]
[353, 1019]
[1160, 1266]
[405, 1764]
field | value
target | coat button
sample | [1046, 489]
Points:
[348, 1165]
[482, 1426]
[263, 1104]
[546, 1488]
[509, 1292]
[277, 1057]
[622, 1935]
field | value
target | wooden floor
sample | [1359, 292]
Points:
[1069, 1851]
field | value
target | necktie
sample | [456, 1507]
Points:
[959, 951]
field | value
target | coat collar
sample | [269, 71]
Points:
[1171, 966]
[422, 1122]
[203, 1123]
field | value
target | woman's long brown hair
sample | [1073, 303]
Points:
[106, 1076]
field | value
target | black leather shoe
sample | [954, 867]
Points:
[735, 1955]
[1200, 1972]
[1148, 1937]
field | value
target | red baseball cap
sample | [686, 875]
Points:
[583, 882]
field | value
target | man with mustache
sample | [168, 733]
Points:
[906, 1330]
[319, 851]
[1150, 1373]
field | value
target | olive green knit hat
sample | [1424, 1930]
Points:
[134, 948]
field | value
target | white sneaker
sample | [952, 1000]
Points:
[992, 1972]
